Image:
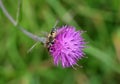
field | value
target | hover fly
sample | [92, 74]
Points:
[51, 36]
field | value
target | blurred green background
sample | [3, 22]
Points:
[101, 20]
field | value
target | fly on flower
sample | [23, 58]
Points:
[65, 45]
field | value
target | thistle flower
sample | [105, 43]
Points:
[68, 46]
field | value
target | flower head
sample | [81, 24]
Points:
[68, 46]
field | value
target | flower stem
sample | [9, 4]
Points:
[15, 23]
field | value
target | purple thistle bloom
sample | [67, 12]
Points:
[68, 46]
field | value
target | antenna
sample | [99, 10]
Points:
[56, 23]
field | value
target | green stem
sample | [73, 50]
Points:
[34, 37]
